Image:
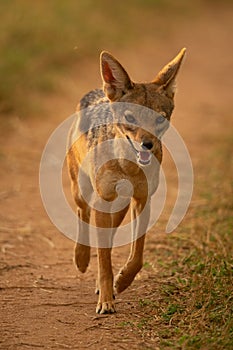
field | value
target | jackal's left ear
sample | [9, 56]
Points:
[115, 78]
[167, 76]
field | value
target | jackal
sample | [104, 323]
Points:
[132, 117]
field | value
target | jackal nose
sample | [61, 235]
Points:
[147, 145]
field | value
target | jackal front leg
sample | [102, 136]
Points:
[82, 250]
[140, 213]
[105, 275]
[105, 281]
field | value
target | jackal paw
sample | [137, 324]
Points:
[82, 257]
[106, 307]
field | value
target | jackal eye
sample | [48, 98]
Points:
[129, 117]
[160, 120]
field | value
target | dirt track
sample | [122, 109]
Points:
[45, 303]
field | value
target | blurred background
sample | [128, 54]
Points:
[46, 47]
[49, 58]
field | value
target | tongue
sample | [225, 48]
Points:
[145, 156]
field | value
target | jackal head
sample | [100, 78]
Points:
[144, 111]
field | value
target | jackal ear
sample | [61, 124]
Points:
[166, 78]
[116, 81]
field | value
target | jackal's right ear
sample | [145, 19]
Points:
[115, 78]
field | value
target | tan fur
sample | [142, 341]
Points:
[156, 96]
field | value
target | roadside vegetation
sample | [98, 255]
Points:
[195, 277]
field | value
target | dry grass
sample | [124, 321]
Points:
[192, 271]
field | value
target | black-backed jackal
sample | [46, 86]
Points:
[136, 115]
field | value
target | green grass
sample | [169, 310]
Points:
[199, 297]
[194, 309]
[41, 42]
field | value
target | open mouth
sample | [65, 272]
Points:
[143, 157]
